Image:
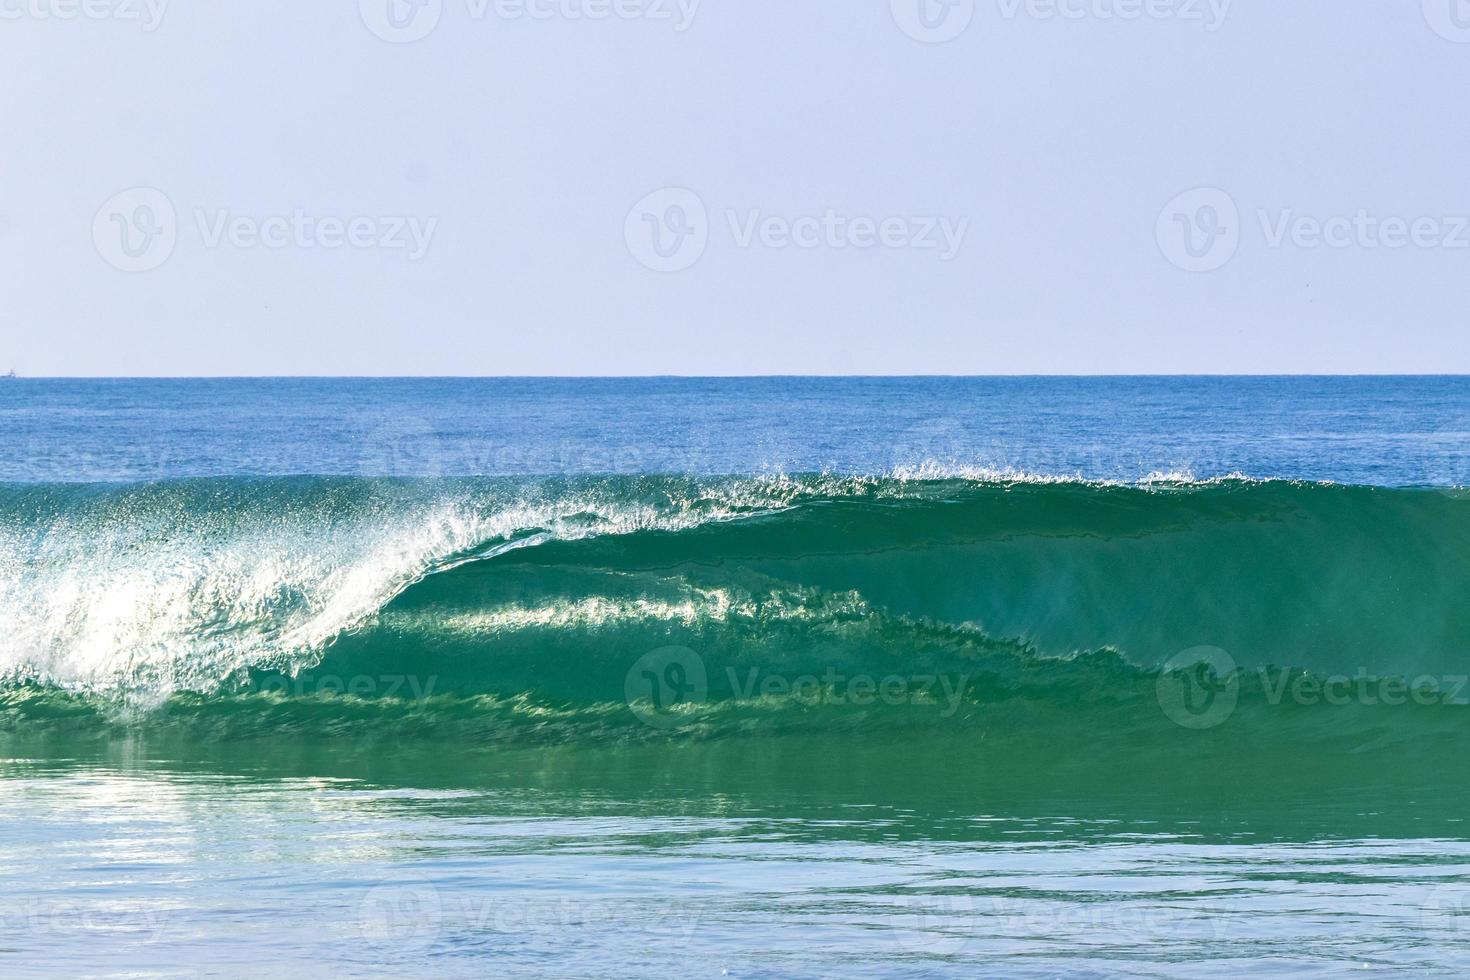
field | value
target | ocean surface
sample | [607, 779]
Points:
[1036, 677]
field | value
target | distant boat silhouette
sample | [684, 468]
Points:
[8, 377]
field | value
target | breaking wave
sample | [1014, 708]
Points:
[528, 609]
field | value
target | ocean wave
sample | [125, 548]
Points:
[150, 588]
[529, 601]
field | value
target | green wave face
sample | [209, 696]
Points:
[1054, 617]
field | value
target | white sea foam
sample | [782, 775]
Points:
[146, 591]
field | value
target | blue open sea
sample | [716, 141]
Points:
[770, 677]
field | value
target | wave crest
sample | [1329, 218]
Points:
[552, 587]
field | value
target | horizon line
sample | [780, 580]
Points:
[706, 377]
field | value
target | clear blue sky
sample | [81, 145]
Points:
[1016, 168]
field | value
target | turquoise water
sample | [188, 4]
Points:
[812, 859]
[913, 677]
